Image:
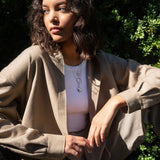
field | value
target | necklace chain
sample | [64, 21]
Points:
[77, 76]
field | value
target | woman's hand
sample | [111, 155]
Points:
[103, 119]
[74, 145]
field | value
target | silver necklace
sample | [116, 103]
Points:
[77, 76]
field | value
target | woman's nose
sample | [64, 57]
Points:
[54, 18]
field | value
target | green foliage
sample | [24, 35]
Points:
[148, 32]
[150, 150]
[158, 64]
[131, 28]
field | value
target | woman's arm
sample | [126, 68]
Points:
[103, 119]
[13, 134]
[139, 88]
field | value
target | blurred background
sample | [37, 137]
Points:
[130, 29]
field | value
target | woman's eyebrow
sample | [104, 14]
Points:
[56, 4]
[61, 2]
[43, 5]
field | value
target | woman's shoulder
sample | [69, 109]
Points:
[115, 61]
[34, 52]
[19, 66]
[110, 58]
[27, 57]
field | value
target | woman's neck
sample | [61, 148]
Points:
[71, 57]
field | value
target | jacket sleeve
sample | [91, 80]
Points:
[13, 135]
[138, 84]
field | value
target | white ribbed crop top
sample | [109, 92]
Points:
[77, 96]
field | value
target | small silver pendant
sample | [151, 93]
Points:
[79, 89]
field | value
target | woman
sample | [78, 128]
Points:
[63, 99]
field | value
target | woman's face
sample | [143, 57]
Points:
[58, 19]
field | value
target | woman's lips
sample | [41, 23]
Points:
[55, 30]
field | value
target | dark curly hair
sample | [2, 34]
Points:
[85, 33]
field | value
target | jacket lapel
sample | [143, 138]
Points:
[60, 110]
[94, 82]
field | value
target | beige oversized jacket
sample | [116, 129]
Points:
[33, 103]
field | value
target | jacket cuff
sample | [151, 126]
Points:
[56, 145]
[132, 99]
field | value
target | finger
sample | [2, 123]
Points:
[97, 137]
[88, 147]
[102, 134]
[81, 141]
[77, 148]
[91, 136]
[73, 152]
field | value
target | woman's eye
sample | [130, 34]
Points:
[45, 11]
[62, 9]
